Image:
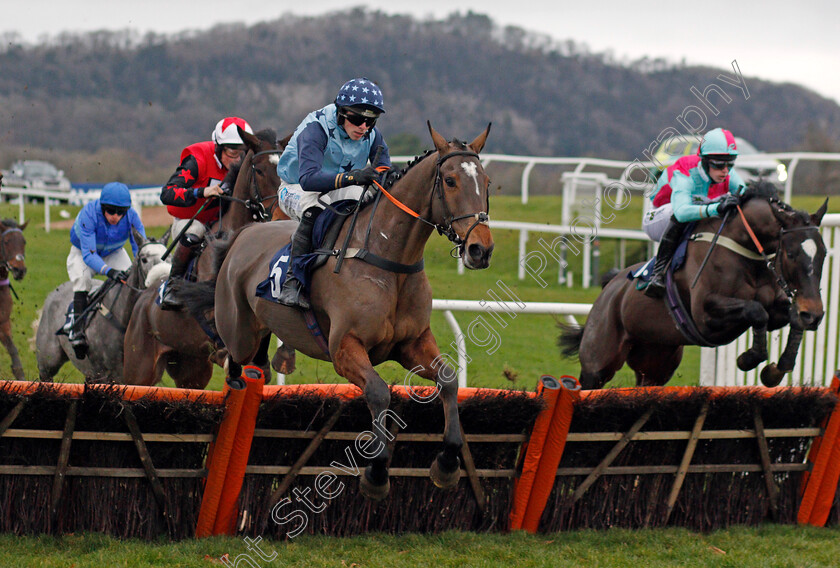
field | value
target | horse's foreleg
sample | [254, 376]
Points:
[351, 361]
[6, 339]
[752, 357]
[261, 358]
[423, 357]
[772, 374]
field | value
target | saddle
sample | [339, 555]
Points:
[94, 306]
[679, 313]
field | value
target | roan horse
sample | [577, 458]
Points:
[369, 313]
[104, 361]
[738, 289]
[12, 260]
[158, 340]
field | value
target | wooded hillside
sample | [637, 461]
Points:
[109, 105]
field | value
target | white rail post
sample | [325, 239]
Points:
[462, 348]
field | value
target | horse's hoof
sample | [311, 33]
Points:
[748, 361]
[371, 490]
[771, 376]
[445, 478]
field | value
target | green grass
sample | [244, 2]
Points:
[766, 546]
[527, 345]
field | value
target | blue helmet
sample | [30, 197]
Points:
[363, 96]
[718, 142]
[115, 193]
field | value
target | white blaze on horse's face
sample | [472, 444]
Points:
[472, 171]
[810, 248]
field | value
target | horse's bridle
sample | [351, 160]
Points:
[446, 228]
[255, 203]
[4, 259]
[771, 260]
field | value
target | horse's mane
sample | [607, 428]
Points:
[394, 177]
[11, 223]
[768, 191]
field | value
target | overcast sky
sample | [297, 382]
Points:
[774, 40]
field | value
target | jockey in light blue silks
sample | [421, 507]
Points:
[688, 191]
[328, 157]
[101, 229]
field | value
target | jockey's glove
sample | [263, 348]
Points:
[115, 274]
[362, 177]
[727, 203]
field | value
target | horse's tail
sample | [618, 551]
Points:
[569, 339]
[199, 298]
[608, 276]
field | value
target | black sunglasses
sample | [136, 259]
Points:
[720, 164]
[114, 210]
[358, 120]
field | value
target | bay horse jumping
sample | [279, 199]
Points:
[159, 340]
[738, 289]
[104, 361]
[370, 313]
[12, 260]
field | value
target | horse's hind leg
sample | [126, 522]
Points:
[351, 361]
[654, 364]
[190, 372]
[601, 356]
[6, 339]
[422, 357]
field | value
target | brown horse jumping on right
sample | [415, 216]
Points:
[736, 291]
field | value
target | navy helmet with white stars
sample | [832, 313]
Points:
[363, 96]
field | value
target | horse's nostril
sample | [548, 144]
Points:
[476, 251]
[810, 320]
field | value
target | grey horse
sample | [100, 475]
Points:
[106, 329]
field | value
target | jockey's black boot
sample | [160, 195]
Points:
[184, 252]
[667, 247]
[292, 292]
[77, 338]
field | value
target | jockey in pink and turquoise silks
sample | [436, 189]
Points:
[693, 188]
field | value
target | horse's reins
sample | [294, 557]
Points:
[255, 204]
[95, 302]
[4, 263]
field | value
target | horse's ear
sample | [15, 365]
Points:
[138, 238]
[784, 217]
[441, 145]
[250, 140]
[283, 142]
[22, 227]
[817, 217]
[165, 238]
[478, 144]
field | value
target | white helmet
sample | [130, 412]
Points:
[226, 132]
